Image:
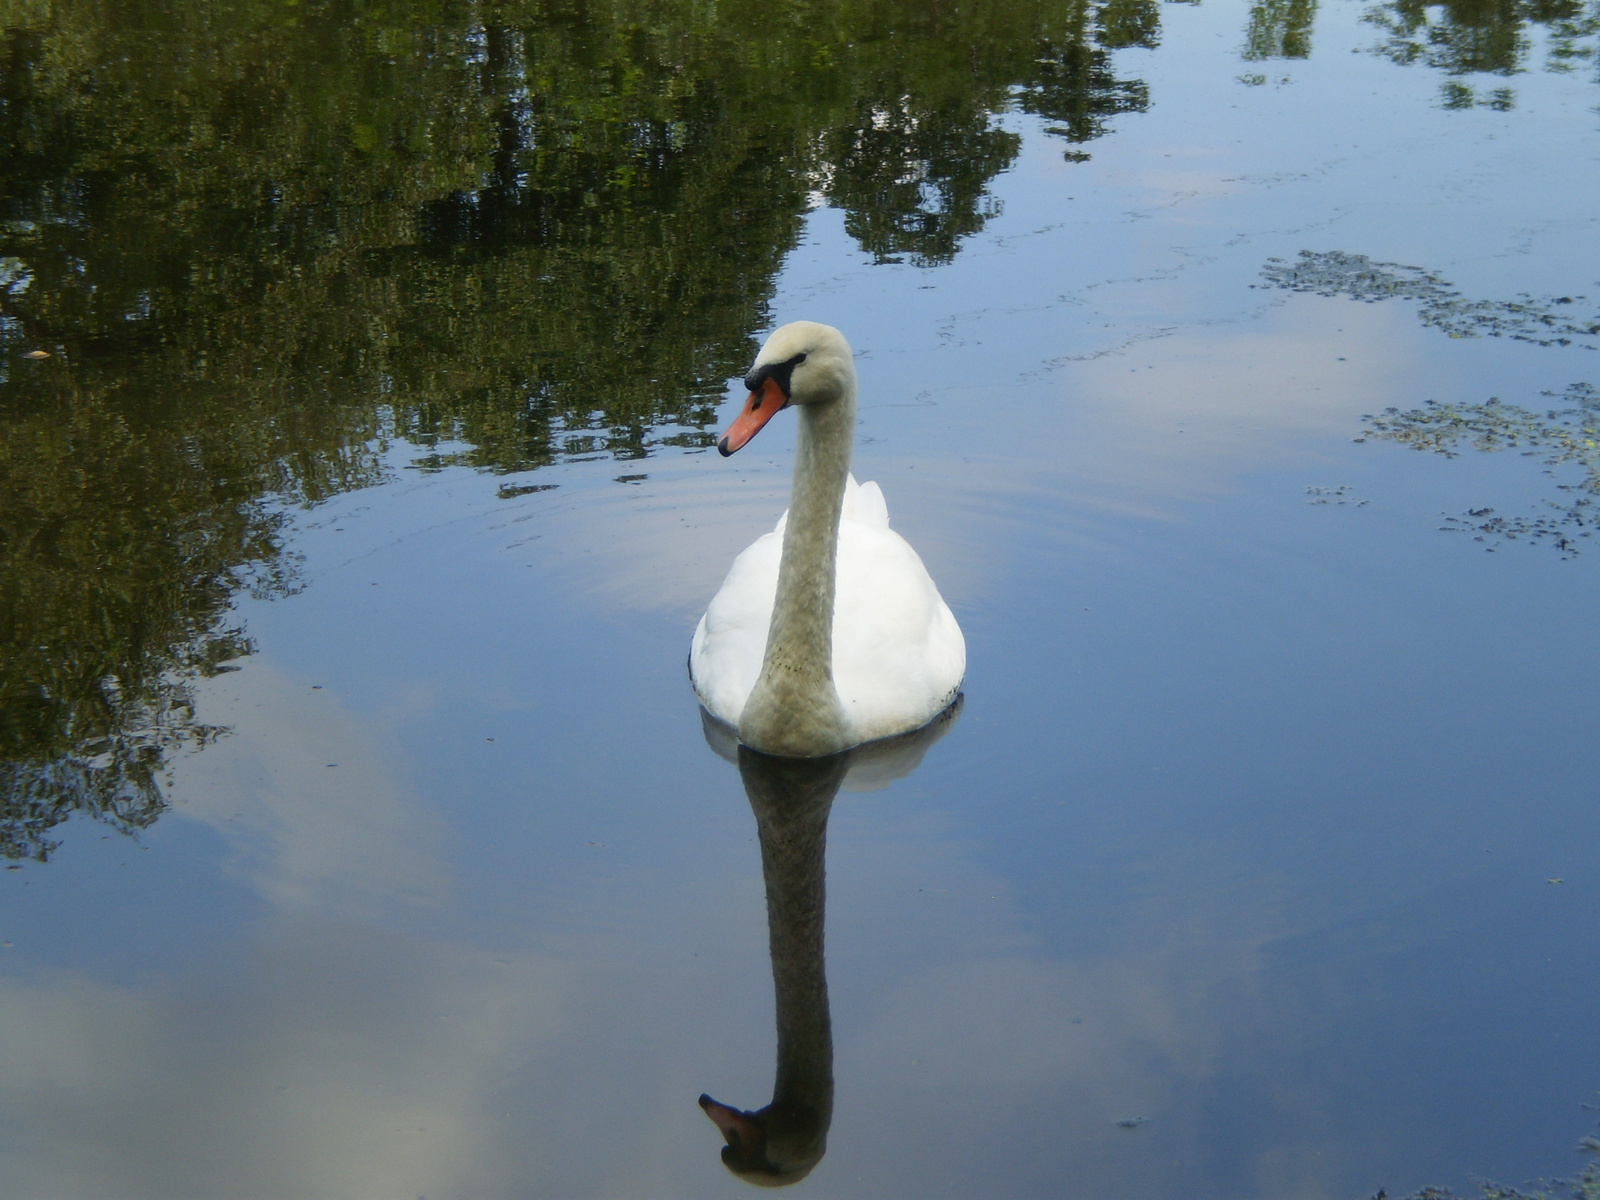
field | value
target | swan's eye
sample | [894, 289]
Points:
[777, 371]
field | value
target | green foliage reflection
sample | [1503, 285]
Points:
[263, 241]
[1494, 37]
[1280, 29]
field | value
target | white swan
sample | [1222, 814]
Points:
[767, 658]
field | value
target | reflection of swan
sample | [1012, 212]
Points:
[783, 1141]
[791, 798]
[766, 659]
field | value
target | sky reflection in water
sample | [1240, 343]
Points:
[1234, 876]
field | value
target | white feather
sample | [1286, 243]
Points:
[898, 654]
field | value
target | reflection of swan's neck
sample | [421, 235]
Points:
[791, 799]
[793, 848]
[794, 708]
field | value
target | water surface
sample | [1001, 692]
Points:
[365, 836]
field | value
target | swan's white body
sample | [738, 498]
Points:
[768, 658]
[898, 654]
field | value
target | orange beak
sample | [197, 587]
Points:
[738, 1129]
[758, 410]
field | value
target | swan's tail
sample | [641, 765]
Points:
[864, 503]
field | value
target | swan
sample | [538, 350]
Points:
[828, 632]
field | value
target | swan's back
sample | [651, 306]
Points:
[898, 654]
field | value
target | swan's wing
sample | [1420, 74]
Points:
[725, 657]
[898, 654]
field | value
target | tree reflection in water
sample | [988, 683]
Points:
[1485, 37]
[1279, 29]
[263, 243]
[792, 797]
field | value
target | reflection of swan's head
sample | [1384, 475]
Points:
[770, 1148]
[802, 363]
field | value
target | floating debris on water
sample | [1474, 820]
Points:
[1568, 436]
[508, 491]
[1333, 495]
[1541, 320]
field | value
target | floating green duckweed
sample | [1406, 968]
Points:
[1558, 437]
[1541, 320]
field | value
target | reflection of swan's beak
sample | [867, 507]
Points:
[741, 1130]
[758, 410]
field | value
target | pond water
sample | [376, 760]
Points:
[1233, 371]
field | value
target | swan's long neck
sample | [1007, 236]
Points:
[794, 708]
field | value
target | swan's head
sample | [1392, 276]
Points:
[801, 363]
